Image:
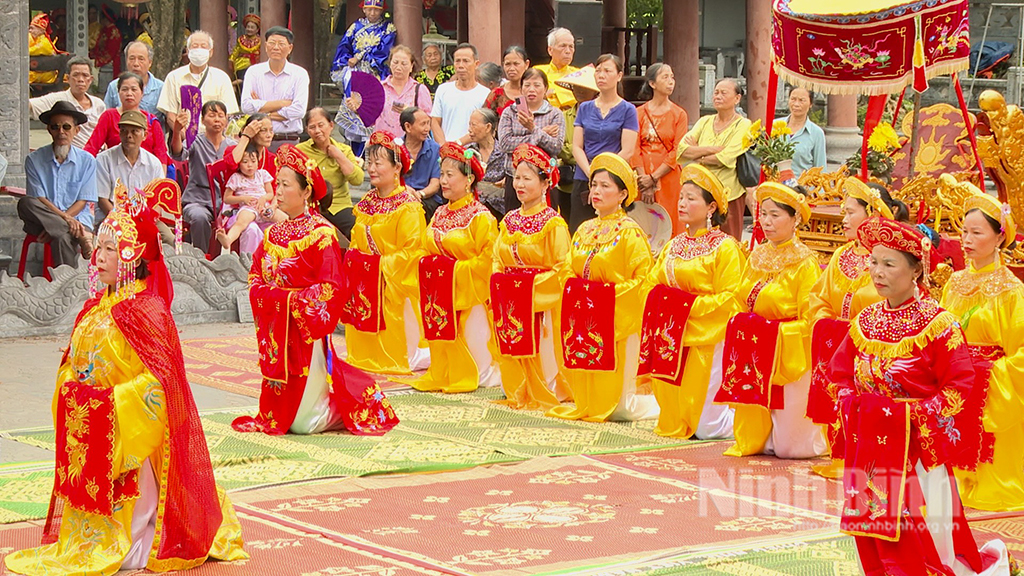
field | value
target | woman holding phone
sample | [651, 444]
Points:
[401, 91]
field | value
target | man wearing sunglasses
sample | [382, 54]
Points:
[60, 184]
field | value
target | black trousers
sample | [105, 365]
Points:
[580, 209]
[344, 220]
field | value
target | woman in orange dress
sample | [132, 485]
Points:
[662, 125]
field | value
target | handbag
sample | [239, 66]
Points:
[748, 169]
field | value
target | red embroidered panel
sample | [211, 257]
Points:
[85, 447]
[437, 298]
[878, 444]
[661, 339]
[364, 296]
[516, 326]
[588, 325]
[748, 362]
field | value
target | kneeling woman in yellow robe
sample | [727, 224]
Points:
[454, 278]
[766, 360]
[840, 294]
[602, 303]
[382, 329]
[989, 301]
[690, 299]
[133, 486]
[530, 262]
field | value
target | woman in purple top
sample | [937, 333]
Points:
[605, 124]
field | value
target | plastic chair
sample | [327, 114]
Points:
[47, 257]
[217, 174]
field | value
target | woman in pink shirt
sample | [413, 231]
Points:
[400, 90]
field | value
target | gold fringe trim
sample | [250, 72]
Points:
[320, 235]
[936, 327]
[538, 236]
[867, 87]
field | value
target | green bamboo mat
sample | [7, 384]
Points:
[437, 432]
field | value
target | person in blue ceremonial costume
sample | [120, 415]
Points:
[366, 45]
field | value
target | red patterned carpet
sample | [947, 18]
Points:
[232, 364]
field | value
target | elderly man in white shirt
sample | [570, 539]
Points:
[213, 83]
[278, 88]
[79, 79]
[127, 162]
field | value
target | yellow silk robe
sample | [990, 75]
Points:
[394, 227]
[784, 274]
[990, 305]
[846, 287]
[614, 249]
[94, 544]
[711, 271]
[41, 46]
[523, 378]
[468, 238]
[841, 293]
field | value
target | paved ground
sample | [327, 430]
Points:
[28, 370]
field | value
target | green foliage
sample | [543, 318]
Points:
[643, 13]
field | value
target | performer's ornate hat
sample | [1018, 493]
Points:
[706, 180]
[855, 188]
[782, 194]
[289, 156]
[533, 154]
[614, 164]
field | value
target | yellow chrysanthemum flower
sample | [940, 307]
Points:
[780, 128]
[755, 129]
[883, 138]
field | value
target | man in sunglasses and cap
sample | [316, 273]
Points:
[60, 183]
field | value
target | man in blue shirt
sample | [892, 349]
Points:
[139, 57]
[424, 177]
[60, 184]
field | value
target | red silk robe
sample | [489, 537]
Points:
[296, 288]
[914, 355]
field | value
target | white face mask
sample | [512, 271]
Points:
[199, 56]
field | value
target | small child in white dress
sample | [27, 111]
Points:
[248, 197]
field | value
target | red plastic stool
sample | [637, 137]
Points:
[47, 257]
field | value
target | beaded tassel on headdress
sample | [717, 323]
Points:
[120, 225]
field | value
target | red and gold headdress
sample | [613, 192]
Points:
[164, 197]
[42, 21]
[878, 231]
[466, 156]
[289, 156]
[132, 225]
[532, 154]
[250, 18]
[387, 140]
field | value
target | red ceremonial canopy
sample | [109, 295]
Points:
[869, 46]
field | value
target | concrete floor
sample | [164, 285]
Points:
[28, 371]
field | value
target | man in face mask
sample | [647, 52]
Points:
[213, 83]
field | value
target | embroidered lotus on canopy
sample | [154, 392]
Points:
[869, 46]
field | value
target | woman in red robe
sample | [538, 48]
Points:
[108, 44]
[296, 291]
[905, 382]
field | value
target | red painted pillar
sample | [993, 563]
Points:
[409, 22]
[213, 18]
[615, 15]
[302, 28]
[484, 29]
[513, 23]
[758, 60]
[272, 13]
[681, 38]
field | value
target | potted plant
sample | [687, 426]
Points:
[881, 144]
[775, 151]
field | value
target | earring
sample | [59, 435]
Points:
[709, 221]
[398, 181]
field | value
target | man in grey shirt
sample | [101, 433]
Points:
[127, 162]
[196, 202]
